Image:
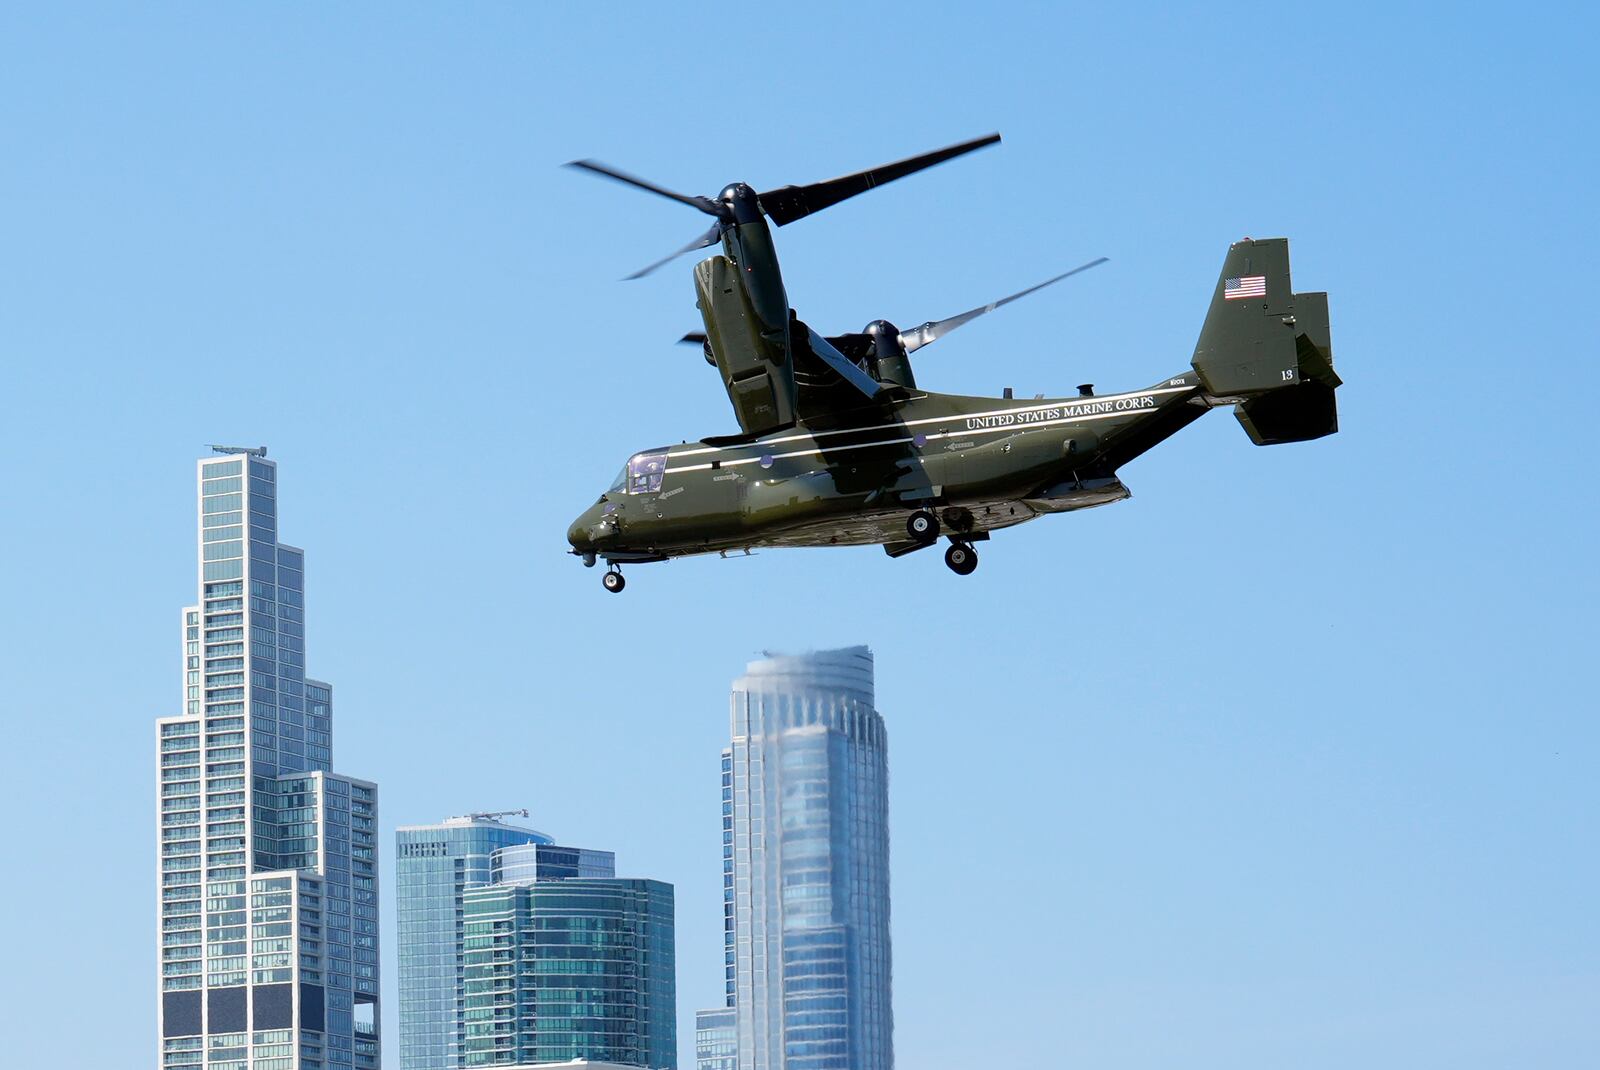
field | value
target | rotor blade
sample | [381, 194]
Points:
[789, 203]
[843, 365]
[710, 237]
[933, 330]
[693, 338]
[704, 204]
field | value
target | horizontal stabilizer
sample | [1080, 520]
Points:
[1297, 415]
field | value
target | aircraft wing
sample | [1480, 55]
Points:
[841, 365]
[831, 376]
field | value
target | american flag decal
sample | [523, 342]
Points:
[1249, 286]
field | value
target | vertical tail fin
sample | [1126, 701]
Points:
[1269, 348]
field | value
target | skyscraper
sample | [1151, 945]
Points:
[435, 865]
[267, 929]
[514, 949]
[570, 968]
[810, 865]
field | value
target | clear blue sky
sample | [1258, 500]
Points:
[1289, 761]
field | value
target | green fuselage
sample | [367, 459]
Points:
[980, 463]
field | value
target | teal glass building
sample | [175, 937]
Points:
[570, 968]
[435, 865]
[809, 858]
[267, 866]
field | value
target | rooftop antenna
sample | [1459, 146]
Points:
[493, 814]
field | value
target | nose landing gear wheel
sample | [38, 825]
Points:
[613, 581]
[962, 559]
[922, 526]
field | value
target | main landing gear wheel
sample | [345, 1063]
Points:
[962, 559]
[922, 526]
[613, 581]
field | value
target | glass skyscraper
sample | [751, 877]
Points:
[808, 856]
[570, 968]
[515, 950]
[435, 864]
[267, 931]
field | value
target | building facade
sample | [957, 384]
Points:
[716, 1039]
[810, 865]
[573, 1064]
[571, 968]
[267, 928]
[434, 866]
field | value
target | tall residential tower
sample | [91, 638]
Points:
[809, 866]
[434, 865]
[267, 929]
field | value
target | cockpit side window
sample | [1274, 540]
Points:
[646, 470]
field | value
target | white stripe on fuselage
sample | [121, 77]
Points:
[1038, 406]
[966, 433]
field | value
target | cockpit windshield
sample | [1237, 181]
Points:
[646, 470]
[619, 483]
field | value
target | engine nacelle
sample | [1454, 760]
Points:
[889, 361]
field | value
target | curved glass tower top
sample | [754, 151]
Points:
[845, 673]
[808, 862]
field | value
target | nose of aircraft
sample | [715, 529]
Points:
[586, 529]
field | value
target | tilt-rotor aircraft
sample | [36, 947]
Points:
[839, 446]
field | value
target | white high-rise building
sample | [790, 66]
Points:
[809, 867]
[267, 928]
